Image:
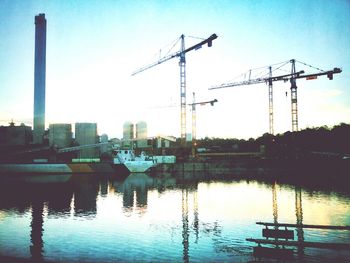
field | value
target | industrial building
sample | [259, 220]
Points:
[39, 79]
[128, 131]
[141, 130]
[128, 134]
[104, 148]
[141, 135]
[136, 135]
[15, 135]
[60, 135]
[85, 134]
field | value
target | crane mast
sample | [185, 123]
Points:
[294, 98]
[182, 63]
[270, 102]
[194, 120]
[293, 90]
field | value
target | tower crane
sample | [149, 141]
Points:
[287, 77]
[293, 89]
[181, 54]
[194, 117]
[269, 81]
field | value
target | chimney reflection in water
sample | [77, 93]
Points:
[36, 234]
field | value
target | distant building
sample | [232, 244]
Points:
[128, 131]
[15, 135]
[141, 130]
[60, 135]
[128, 134]
[141, 135]
[85, 134]
[165, 142]
[104, 139]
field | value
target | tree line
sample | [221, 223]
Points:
[322, 140]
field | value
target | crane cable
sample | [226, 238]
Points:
[310, 66]
[243, 75]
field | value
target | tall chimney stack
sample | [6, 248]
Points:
[39, 79]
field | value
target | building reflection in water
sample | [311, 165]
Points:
[135, 190]
[79, 199]
[135, 185]
[104, 187]
[59, 202]
[10, 200]
[85, 197]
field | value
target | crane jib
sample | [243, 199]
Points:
[180, 53]
[208, 41]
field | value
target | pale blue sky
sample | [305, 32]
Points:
[94, 46]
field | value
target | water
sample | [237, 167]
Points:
[162, 219]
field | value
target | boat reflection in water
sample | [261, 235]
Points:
[161, 218]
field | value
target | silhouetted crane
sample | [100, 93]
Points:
[288, 77]
[181, 54]
[194, 120]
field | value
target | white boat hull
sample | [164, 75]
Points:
[139, 166]
[135, 164]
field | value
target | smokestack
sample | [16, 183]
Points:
[39, 79]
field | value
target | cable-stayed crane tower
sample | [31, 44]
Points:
[293, 88]
[181, 54]
[292, 77]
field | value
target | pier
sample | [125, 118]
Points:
[279, 236]
[301, 244]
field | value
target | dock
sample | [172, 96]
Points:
[301, 244]
[279, 236]
[304, 226]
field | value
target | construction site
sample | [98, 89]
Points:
[58, 143]
[174, 131]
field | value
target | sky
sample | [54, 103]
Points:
[94, 46]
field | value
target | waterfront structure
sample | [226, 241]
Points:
[128, 134]
[85, 134]
[135, 164]
[60, 135]
[165, 141]
[15, 135]
[141, 130]
[141, 135]
[104, 139]
[128, 131]
[39, 79]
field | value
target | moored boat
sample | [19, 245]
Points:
[135, 164]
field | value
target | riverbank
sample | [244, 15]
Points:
[305, 171]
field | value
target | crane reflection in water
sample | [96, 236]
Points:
[191, 218]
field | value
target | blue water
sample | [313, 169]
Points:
[161, 218]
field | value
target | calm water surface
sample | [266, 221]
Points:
[162, 219]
